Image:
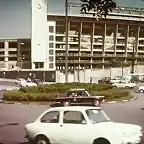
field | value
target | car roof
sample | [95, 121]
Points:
[73, 108]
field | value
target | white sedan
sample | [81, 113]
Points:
[24, 84]
[20, 80]
[141, 89]
[124, 84]
[80, 125]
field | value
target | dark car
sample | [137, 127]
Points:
[104, 80]
[37, 81]
[79, 96]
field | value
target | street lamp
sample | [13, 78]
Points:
[66, 50]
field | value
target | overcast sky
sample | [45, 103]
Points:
[15, 15]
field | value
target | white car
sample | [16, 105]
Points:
[80, 125]
[24, 84]
[20, 80]
[141, 89]
[124, 84]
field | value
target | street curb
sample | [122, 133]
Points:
[29, 103]
[112, 102]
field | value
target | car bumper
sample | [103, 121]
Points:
[134, 140]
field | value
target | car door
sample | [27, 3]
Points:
[50, 126]
[74, 128]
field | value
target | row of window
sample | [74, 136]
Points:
[41, 65]
[74, 117]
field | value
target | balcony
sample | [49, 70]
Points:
[97, 61]
[60, 61]
[73, 54]
[85, 55]
[85, 61]
[73, 61]
[97, 55]
[12, 55]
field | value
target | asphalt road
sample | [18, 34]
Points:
[14, 117]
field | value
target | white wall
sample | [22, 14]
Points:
[97, 74]
[39, 32]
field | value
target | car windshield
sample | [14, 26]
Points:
[97, 116]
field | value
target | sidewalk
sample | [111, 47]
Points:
[13, 80]
[7, 80]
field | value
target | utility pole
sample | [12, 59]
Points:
[66, 50]
[133, 58]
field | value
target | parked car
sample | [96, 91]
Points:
[104, 80]
[37, 81]
[141, 89]
[79, 96]
[124, 84]
[80, 125]
[20, 80]
[27, 83]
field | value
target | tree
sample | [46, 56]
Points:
[99, 7]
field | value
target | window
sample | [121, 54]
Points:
[51, 38]
[51, 59]
[12, 44]
[51, 29]
[96, 116]
[2, 45]
[39, 64]
[51, 45]
[51, 65]
[51, 52]
[74, 117]
[51, 117]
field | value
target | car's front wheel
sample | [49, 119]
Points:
[68, 103]
[96, 103]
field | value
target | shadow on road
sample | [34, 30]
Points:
[9, 124]
[142, 108]
[22, 143]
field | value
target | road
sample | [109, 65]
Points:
[14, 117]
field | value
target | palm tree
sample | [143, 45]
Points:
[99, 7]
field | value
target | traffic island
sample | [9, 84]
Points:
[46, 94]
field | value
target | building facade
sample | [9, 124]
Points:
[92, 44]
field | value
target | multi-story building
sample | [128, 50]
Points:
[91, 43]
[94, 44]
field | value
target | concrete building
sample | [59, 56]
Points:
[92, 44]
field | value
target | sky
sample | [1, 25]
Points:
[15, 15]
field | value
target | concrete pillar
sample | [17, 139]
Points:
[137, 40]
[103, 43]
[39, 32]
[6, 47]
[115, 39]
[126, 39]
[103, 39]
[79, 50]
[18, 53]
[92, 40]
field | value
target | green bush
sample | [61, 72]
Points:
[63, 88]
[51, 94]
[20, 96]
[114, 93]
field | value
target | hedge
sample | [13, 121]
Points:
[63, 88]
[50, 92]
